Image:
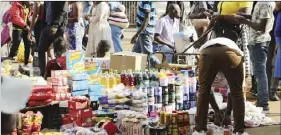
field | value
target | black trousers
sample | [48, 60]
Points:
[17, 36]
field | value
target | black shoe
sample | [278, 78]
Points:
[274, 97]
[264, 108]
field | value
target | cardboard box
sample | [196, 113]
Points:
[84, 113]
[79, 77]
[59, 73]
[66, 119]
[79, 85]
[60, 89]
[79, 92]
[104, 62]
[77, 105]
[128, 60]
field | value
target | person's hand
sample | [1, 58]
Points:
[134, 39]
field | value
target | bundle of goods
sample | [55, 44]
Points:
[104, 115]
[110, 80]
[93, 65]
[75, 61]
[189, 89]
[73, 129]
[79, 84]
[79, 112]
[29, 123]
[95, 91]
[41, 95]
[133, 124]
[177, 122]
[115, 99]
[58, 81]
[139, 101]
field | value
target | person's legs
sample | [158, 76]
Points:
[116, 33]
[227, 116]
[167, 51]
[207, 73]
[137, 46]
[27, 46]
[233, 72]
[277, 71]
[216, 109]
[16, 37]
[146, 47]
[259, 53]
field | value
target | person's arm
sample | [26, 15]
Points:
[144, 23]
[264, 15]
[76, 13]
[158, 31]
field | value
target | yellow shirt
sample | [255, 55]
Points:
[231, 8]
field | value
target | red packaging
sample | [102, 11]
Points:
[59, 73]
[40, 96]
[59, 81]
[41, 88]
[60, 89]
[79, 99]
[61, 96]
[39, 103]
[85, 113]
[66, 119]
[77, 105]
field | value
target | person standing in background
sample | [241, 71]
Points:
[99, 29]
[75, 26]
[55, 17]
[261, 25]
[277, 69]
[146, 21]
[19, 16]
[87, 8]
[116, 31]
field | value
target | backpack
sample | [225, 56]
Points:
[6, 17]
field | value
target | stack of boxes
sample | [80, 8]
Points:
[79, 112]
[95, 91]
[79, 84]
[58, 81]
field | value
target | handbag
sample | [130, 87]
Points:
[5, 35]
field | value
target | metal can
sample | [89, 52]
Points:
[180, 117]
[185, 97]
[158, 91]
[185, 116]
[172, 97]
[179, 106]
[170, 130]
[171, 88]
[151, 107]
[185, 89]
[174, 118]
[186, 105]
[192, 104]
[158, 107]
[165, 100]
[162, 117]
[192, 96]
[168, 118]
[150, 91]
[158, 99]
[164, 89]
[175, 130]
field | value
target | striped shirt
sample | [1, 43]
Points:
[146, 7]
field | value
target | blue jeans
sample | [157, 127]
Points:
[277, 69]
[116, 33]
[144, 45]
[258, 55]
[167, 51]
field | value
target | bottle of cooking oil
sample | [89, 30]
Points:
[117, 77]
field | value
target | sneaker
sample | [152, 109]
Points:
[274, 97]
[198, 133]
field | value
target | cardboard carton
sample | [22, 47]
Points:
[128, 60]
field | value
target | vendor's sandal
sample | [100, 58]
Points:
[226, 121]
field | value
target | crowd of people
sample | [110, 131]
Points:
[238, 34]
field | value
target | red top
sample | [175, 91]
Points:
[56, 64]
[17, 14]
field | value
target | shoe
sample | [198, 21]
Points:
[198, 133]
[227, 121]
[218, 119]
[274, 97]
[26, 67]
[245, 133]
[265, 109]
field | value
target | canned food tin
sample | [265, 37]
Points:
[150, 91]
[151, 99]
[192, 104]
[174, 118]
[162, 117]
[158, 99]
[151, 108]
[168, 118]
[158, 107]
[171, 88]
[192, 96]
[165, 98]
[164, 89]
[158, 91]
[172, 97]
[186, 105]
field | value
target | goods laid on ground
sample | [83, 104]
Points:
[103, 97]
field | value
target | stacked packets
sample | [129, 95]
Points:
[79, 84]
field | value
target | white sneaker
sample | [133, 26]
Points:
[198, 133]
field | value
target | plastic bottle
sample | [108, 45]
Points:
[140, 79]
[131, 79]
[123, 77]
[163, 79]
[145, 79]
[112, 80]
[117, 77]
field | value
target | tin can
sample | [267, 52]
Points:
[162, 117]
[165, 100]
[185, 116]
[170, 130]
[180, 117]
[150, 99]
[174, 118]
[185, 97]
[167, 118]
[171, 88]
[186, 105]
[164, 89]
[185, 89]
[151, 107]
[175, 130]
[158, 107]
[144, 90]
[150, 91]
[158, 99]
[172, 97]
[192, 96]
[192, 104]
[158, 91]
[179, 106]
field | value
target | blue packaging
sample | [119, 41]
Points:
[186, 105]
[95, 89]
[192, 81]
[158, 91]
[75, 61]
[185, 89]
[80, 85]
[185, 97]
[79, 76]
[192, 104]
[79, 92]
